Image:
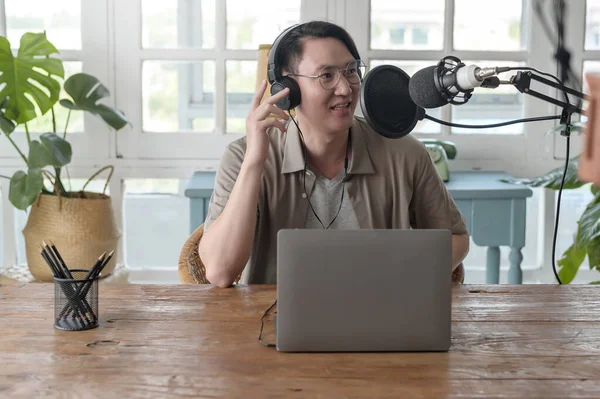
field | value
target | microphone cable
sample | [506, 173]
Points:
[536, 119]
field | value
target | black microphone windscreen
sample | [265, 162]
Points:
[386, 104]
[423, 91]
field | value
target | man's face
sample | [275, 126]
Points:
[328, 110]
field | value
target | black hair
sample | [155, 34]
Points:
[289, 51]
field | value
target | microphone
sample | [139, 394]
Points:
[386, 104]
[389, 109]
[450, 82]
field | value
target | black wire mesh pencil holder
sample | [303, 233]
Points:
[76, 302]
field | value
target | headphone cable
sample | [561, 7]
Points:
[304, 175]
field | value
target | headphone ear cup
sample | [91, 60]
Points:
[292, 100]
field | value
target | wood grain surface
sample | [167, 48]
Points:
[529, 341]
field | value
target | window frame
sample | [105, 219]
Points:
[117, 63]
[95, 58]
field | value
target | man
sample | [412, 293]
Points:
[324, 169]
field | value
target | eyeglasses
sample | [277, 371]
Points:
[330, 75]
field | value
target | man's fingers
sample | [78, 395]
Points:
[258, 95]
[267, 109]
[274, 122]
[278, 96]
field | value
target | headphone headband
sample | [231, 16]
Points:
[278, 82]
[273, 74]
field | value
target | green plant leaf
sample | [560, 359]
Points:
[86, 91]
[594, 189]
[593, 251]
[577, 127]
[570, 262]
[595, 282]
[51, 150]
[589, 223]
[6, 125]
[28, 74]
[25, 188]
[552, 179]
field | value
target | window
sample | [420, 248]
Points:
[390, 20]
[592, 25]
[194, 64]
[178, 96]
[71, 27]
[437, 28]
[178, 24]
[184, 72]
[469, 33]
[420, 37]
[503, 32]
[154, 242]
[397, 36]
[488, 106]
[60, 19]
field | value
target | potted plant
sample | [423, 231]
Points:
[81, 223]
[587, 239]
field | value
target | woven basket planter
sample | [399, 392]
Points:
[81, 228]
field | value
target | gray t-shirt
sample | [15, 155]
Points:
[325, 200]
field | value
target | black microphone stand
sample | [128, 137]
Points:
[522, 81]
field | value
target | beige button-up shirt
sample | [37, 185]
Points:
[392, 184]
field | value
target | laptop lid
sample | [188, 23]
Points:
[363, 290]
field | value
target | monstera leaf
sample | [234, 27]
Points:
[553, 178]
[51, 150]
[25, 188]
[577, 127]
[6, 125]
[589, 223]
[24, 74]
[570, 262]
[86, 91]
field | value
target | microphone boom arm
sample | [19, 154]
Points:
[522, 81]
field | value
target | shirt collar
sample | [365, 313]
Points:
[361, 163]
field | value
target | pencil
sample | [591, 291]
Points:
[105, 262]
[63, 272]
[84, 288]
[68, 291]
[95, 272]
[67, 272]
[60, 259]
[50, 264]
[96, 265]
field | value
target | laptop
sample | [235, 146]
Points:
[363, 290]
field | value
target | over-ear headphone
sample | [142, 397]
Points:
[278, 82]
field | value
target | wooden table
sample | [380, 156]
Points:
[531, 341]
